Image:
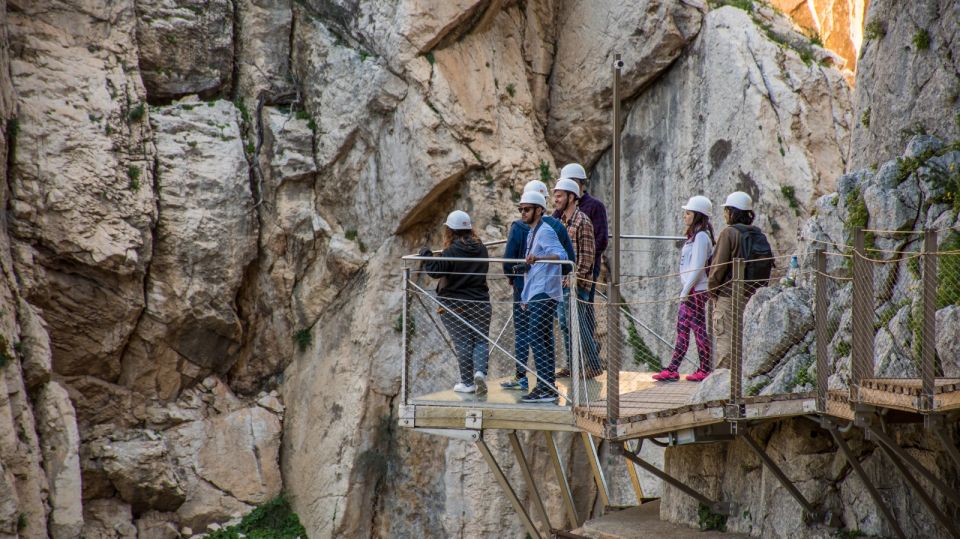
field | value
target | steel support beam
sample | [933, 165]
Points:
[947, 443]
[723, 508]
[890, 445]
[778, 473]
[632, 471]
[874, 493]
[594, 457]
[924, 497]
[613, 299]
[507, 489]
[572, 519]
[528, 479]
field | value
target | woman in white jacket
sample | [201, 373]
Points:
[692, 315]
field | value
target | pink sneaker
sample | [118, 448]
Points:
[697, 376]
[666, 375]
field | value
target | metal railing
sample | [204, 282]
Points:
[847, 315]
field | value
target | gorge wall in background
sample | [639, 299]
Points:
[205, 201]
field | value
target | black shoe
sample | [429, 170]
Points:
[539, 395]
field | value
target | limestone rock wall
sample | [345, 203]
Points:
[204, 204]
[908, 81]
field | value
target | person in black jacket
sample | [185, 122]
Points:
[463, 292]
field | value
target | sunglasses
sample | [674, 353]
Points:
[525, 209]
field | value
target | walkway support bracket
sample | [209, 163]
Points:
[722, 508]
[855, 464]
[594, 457]
[572, 519]
[507, 489]
[782, 477]
[528, 479]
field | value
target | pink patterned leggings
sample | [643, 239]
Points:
[692, 316]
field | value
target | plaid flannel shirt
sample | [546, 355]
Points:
[580, 230]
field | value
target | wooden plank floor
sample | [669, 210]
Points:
[904, 393]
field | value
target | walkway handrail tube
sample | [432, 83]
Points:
[738, 295]
[649, 237]
[613, 312]
[494, 260]
[929, 327]
[403, 338]
[820, 327]
[863, 311]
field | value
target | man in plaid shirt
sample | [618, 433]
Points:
[580, 230]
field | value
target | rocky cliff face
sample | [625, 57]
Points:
[205, 201]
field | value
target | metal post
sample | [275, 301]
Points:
[572, 519]
[507, 489]
[528, 478]
[820, 319]
[861, 366]
[403, 338]
[613, 311]
[576, 364]
[874, 493]
[736, 334]
[929, 328]
[594, 457]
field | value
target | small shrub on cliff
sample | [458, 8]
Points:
[272, 520]
[874, 30]
[136, 113]
[511, 89]
[13, 128]
[709, 520]
[545, 175]
[865, 118]
[921, 40]
[790, 194]
[133, 174]
[5, 357]
[746, 5]
[303, 339]
[430, 58]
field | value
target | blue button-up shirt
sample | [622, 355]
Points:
[543, 278]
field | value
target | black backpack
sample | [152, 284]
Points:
[756, 251]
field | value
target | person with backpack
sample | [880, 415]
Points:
[565, 196]
[739, 239]
[692, 315]
[463, 293]
[516, 245]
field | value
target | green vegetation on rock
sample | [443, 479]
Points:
[272, 520]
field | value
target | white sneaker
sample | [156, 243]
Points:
[480, 380]
[463, 388]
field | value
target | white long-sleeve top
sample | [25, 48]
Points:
[693, 258]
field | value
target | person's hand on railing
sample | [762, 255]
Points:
[426, 251]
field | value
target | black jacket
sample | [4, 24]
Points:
[460, 280]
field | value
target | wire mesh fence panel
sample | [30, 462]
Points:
[493, 351]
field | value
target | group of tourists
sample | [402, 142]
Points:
[561, 264]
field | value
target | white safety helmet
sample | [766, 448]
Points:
[573, 171]
[739, 200]
[533, 197]
[700, 204]
[458, 220]
[566, 184]
[536, 186]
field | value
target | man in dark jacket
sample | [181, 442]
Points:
[465, 297]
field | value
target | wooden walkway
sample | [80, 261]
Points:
[650, 408]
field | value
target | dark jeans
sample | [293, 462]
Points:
[469, 335]
[521, 331]
[540, 311]
[588, 346]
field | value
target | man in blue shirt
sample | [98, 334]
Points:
[516, 248]
[542, 290]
